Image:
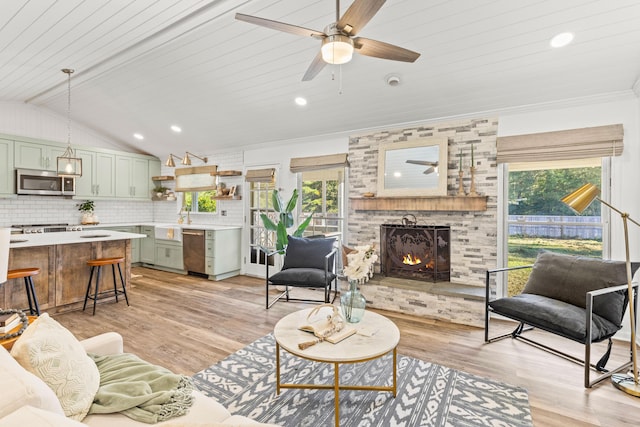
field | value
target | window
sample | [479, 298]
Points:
[205, 203]
[260, 197]
[322, 196]
[538, 220]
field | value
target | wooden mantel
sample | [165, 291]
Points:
[429, 203]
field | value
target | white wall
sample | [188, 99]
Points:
[279, 155]
[17, 118]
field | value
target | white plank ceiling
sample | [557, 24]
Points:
[144, 65]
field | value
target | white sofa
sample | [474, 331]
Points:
[29, 401]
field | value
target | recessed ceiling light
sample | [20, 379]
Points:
[176, 129]
[301, 101]
[561, 40]
[138, 136]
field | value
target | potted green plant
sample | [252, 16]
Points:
[285, 220]
[160, 190]
[88, 217]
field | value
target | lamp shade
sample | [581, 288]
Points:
[5, 236]
[580, 199]
[337, 49]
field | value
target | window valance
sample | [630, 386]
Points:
[260, 175]
[330, 161]
[600, 141]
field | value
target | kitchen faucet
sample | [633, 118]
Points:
[188, 218]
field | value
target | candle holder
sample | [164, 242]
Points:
[472, 189]
[460, 184]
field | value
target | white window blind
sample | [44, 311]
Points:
[600, 141]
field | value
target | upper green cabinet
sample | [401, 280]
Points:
[105, 173]
[132, 177]
[32, 155]
[7, 175]
[98, 175]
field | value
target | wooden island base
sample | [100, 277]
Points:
[64, 274]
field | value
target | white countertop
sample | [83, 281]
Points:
[165, 225]
[69, 237]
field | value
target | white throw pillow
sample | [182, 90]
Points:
[30, 416]
[20, 387]
[52, 353]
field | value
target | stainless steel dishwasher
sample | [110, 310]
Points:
[193, 251]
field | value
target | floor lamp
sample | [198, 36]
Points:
[578, 201]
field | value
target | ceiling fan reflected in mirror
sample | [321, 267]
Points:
[338, 38]
[433, 166]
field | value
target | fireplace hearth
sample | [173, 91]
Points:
[419, 252]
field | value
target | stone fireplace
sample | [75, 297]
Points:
[418, 252]
[472, 235]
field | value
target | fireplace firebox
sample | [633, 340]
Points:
[418, 252]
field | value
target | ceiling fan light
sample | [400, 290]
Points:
[337, 49]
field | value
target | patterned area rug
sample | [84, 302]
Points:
[428, 394]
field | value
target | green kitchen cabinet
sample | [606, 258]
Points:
[7, 174]
[34, 155]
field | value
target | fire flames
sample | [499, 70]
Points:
[411, 260]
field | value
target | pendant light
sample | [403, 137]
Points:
[68, 164]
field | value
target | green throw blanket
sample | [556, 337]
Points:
[139, 390]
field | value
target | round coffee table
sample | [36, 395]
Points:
[376, 336]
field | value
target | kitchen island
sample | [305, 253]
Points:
[62, 259]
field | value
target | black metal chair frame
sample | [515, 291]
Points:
[330, 257]
[586, 362]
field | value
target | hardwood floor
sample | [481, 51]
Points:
[186, 323]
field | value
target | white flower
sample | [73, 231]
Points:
[360, 263]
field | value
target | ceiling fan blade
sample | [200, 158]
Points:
[316, 66]
[383, 50]
[358, 15]
[422, 162]
[280, 26]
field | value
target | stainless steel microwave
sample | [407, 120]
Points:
[44, 183]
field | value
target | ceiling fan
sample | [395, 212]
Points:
[432, 165]
[338, 38]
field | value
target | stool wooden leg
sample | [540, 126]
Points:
[124, 287]
[86, 295]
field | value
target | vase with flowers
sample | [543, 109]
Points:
[359, 269]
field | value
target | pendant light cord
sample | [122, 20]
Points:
[68, 71]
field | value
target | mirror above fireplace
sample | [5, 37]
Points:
[413, 168]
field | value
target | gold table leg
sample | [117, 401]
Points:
[336, 382]
[277, 368]
[336, 393]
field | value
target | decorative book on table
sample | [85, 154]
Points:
[330, 328]
[6, 318]
[9, 326]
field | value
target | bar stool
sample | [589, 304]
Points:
[27, 274]
[98, 263]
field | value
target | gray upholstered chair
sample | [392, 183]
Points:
[579, 298]
[308, 263]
